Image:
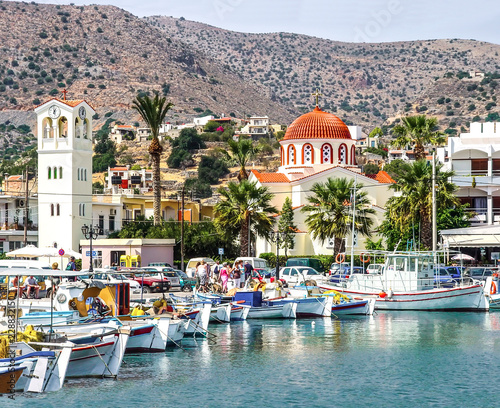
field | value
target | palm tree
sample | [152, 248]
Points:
[414, 203]
[241, 152]
[244, 207]
[330, 211]
[419, 131]
[153, 112]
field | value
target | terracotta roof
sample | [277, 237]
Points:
[317, 125]
[72, 103]
[13, 178]
[271, 177]
[381, 177]
[118, 169]
[124, 127]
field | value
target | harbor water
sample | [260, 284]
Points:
[391, 359]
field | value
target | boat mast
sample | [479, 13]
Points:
[353, 221]
[434, 210]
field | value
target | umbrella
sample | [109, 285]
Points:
[463, 257]
[30, 251]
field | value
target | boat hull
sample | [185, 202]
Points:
[466, 298]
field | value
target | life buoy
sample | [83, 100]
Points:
[363, 259]
[493, 288]
[340, 258]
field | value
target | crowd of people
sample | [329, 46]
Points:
[239, 273]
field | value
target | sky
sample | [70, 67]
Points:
[348, 20]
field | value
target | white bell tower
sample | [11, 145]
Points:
[64, 171]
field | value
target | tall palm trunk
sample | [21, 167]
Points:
[426, 231]
[419, 151]
[338, 246]
[245, 227]
[155, 158]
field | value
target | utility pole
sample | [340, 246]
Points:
[26, 207]
[182, 229]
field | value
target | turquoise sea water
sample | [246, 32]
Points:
[392, 359]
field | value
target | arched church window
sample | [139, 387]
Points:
[55, 173]
[326, 154]
[78, 174]
[58, 209]
[63, 127]
[307, 154]
[51, 210]
[85, 130]
[49, 173]
[80, 209]
[83, 210]
[353, 154]
[85, 172]
[282, 153]
[77, 129]
[343, 154]
[60, 172]
[291, 154]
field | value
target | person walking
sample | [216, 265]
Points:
[236, 275]
[224, 277]
[215, 271]
[202, 274]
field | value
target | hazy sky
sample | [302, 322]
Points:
[348, 20]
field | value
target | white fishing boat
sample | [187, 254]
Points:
[239, 311]
[98, 355]
[221, 313]
[36, 371]
[406, 282]
[317, 306]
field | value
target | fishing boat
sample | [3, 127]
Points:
[35, 371]
[406, 282]
[238, 311]
[97, 355]
[266, 309]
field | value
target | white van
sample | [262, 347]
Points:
[258, 263]
[191, 265]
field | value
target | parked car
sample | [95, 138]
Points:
[341, 275]
[443, 278]
[374, 269]
[479, 272]
[257, 263]
[162, 264]
[307, 262]
[111, 277]
[299, 274]
[185, 282]
[147, 280]
[454, 271]
[335, 267]
[191, 265]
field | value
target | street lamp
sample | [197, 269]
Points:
[277, 236]
[90, 233]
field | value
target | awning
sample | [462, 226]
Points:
[473, 237]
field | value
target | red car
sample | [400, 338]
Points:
[148, 282]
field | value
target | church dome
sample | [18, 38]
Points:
[317, 125]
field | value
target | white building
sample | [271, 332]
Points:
[123, 180]
[475, 159]
[64, 171]
[202, 121]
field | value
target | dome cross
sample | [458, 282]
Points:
[317, 94]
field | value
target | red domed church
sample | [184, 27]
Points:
[318, 145]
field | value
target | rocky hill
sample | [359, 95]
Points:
[365, 84]
[107, 56]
